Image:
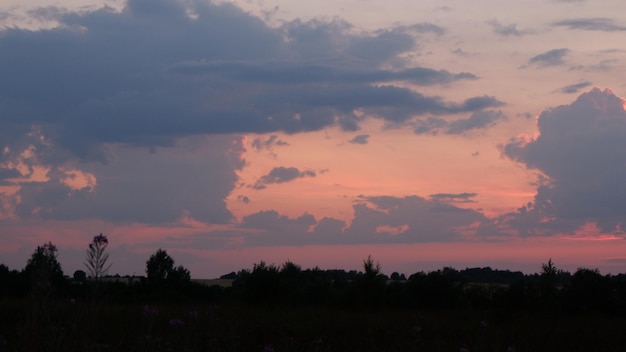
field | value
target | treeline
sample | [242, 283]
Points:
[552, 289]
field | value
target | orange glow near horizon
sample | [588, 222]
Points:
[524, 255]
[405, 165]
[131, 245]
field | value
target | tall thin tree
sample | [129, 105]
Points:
[97, 258]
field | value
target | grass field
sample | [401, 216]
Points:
[82, 326]
[214, 282]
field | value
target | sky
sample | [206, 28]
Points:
[423, 133]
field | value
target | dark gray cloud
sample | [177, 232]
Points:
[151, 74]
[591, 24]
[282, 174]
[479, 103]
[509, 30]
[8, 174]
[581, 150]
[243, 199]
[454, 197]
[384, 219]
[269, 143]
[552, 57]
[461, 52]
[431, 125]
[269, 219]
[191, 180]
[574, 88]
[287, 73]
[602, 66]
[360, 139]
[476, 121]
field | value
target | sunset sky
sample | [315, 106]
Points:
[424, 133]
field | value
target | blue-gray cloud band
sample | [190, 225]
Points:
[151, 74]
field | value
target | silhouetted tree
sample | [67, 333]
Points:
[43, 269]
[159, 266]
[160, 270]
[178, 275]
[79, 276]
[289, 268]
[548, 286]
[590, 290]
[549, 272]
[371, 285]
[11, 282]
[371, 269]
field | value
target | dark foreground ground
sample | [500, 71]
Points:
[82, 326]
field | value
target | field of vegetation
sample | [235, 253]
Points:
[287, 308]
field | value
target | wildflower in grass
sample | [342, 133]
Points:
[268, 348]
[192, 315]
[150, 312]
[176, 323]
[96, 261]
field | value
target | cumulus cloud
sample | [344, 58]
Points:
[385, 219]
[191, 179]
[581, 150]
[108, 88]
[552, 57]
[282, 174]
[151, 73]
[591, 24]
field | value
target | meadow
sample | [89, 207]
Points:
[271, 308]
[79, 326]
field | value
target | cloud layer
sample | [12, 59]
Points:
[581, 150]
[161, 70]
